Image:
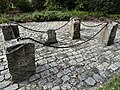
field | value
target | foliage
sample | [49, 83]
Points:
[23, 5]
[114, 84]
[38, 4]
[3, 5]
[104, 6]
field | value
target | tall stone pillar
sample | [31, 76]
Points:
[107, 36]
[112, 35]
[75, 29]
[10, 31]
[21, 59]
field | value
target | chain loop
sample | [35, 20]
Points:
[92, 26]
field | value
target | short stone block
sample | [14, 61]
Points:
[10, 31]
[51, 37]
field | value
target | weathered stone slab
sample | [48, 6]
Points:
[75, 28]
[10, 31]
[51, 37]
[21, 59]
[112, 35]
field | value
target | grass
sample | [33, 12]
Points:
[114, 84]
[55, 16]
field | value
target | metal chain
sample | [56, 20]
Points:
[62, 26]
[92, 26]
[71, 46]
[41, 31]
[66, 46]
[29, 28]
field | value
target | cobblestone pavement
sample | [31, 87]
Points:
[80, 68]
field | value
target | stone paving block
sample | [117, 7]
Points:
[60, 74]
[40, 69]
[117, 64]
[74, 82]
[12, 87]
[22, 88]
[4, 84]
[66, 71]
[98, 78]
[72, 62]
[65, 78]
[7, 76]
[54, 70]
[57, 82]
[56, 88]
[90, 81]
[1, 68]
[34, 77]
[66, 86]
[46, 73]
[113, 67]
[53, 64]
[1, 78]
[5, 72]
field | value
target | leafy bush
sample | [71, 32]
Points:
[23, 5]
[104, 6]
[3, 6]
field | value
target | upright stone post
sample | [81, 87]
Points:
[51, 37]
[112, 35]
[10, 31]
[21, 59]
[104, 36]
[75, 29]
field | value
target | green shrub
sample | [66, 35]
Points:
[23, 5]
[3, 6]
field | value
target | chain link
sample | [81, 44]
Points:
[92, 26]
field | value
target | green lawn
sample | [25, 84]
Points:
[114, 84]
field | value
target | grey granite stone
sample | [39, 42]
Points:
[56, 88]
[1, 78]
[12, 87]
[90, 81]
[113, 67]
[4, 84]
[65, 78]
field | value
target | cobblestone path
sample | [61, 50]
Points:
[84, 67]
